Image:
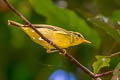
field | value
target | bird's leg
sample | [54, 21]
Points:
[54, 50]
[48, 50]
[51, 51]
[65, 52]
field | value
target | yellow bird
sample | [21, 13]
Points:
[59, 36]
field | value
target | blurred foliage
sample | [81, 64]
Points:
[107, 25]
[116, 15]
[22, 59]
[116, 73]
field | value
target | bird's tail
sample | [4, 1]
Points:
[13, 23]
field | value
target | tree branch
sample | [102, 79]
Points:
[103, 74]
[70, 57]
[114, 54]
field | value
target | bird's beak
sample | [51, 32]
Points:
[86, 41]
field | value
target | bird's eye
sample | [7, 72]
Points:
[78, 35]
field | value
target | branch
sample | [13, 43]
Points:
[70, 57]
[103, 74]
[114, 54]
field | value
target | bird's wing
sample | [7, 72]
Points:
[54, 28]
[58, 30]
[61, 32]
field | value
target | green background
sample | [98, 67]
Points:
[22, 59]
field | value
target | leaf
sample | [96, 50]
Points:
[116, 73]
[65, 18]
[102, 61]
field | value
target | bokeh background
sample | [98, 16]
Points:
[22, 59]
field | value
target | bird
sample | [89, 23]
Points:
[59, 36]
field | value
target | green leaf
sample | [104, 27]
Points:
[65, 18]
[116, 73]
[102, 61]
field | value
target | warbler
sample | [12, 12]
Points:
[59, 36]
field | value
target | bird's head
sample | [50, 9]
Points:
[78, 38]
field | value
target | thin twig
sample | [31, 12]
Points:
[114, 54]
[103, 74]
[70, 57]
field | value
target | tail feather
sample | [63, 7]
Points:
[13, 23]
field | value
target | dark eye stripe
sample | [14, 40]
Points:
[79, 35]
